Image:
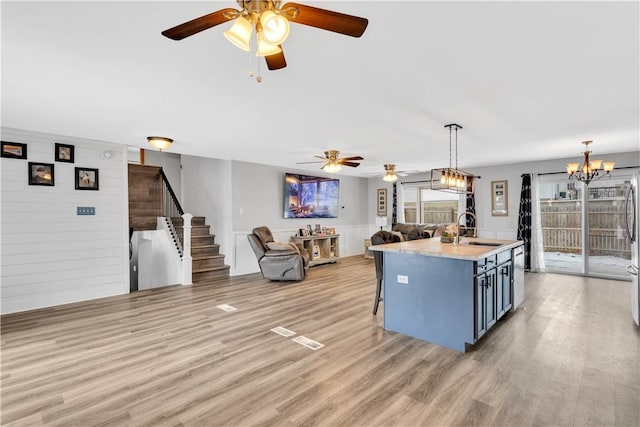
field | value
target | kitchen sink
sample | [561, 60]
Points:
[485, 244]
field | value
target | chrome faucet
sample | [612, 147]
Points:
[475, 229]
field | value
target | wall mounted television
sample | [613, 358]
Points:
[311, 196]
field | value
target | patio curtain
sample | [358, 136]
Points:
[524, 219]
[529, 223]
[394, 212]
[471, 205]
[537, 244]
[400, 201]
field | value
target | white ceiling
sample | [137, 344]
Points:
[526, 80]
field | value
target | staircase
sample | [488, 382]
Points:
[151, 196]
[208, 262]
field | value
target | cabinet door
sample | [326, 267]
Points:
[491, 299]
[500, 295]
[481, 292]
[506, 272]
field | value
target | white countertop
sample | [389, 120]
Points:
[464, 251]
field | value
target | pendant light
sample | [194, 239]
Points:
[452, 179]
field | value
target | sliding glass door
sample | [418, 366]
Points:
[608, 247]
[583, 232]
[562, 228]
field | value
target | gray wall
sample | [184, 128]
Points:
[258, 199]
[505, 227]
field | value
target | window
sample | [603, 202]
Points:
[425, 206]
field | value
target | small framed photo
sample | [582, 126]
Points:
[499, 198]
[87, 179]
[41, 174]
[14, 150]
[382, 202]
[64, 153]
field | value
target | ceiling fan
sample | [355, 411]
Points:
[271, 23]
[333, 163]
[390, 173]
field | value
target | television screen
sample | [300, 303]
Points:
[310, 196]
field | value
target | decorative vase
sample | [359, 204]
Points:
[444, 239]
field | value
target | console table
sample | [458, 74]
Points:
[322, 249]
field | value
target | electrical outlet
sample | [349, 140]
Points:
[403, 279]
[85, 210]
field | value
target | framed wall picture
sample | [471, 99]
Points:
[41, 174]
[64, 153]
[14, 150]
[499, 198]
[382, 202]
[87, 179]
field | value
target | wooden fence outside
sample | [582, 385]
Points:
[431, 215]
[561, 222]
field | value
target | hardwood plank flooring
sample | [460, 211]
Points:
[170, 357]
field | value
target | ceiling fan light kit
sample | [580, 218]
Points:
[275, 28]
[590, 170]
[452, 179]
[271, 23]
[331, 167]
[240, 33]
[265, 48]
[390, 173]
[333, 163]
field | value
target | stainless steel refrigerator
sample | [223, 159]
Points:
[632, 222]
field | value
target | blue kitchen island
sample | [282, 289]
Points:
[449, 294]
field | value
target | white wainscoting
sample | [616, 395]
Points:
[244, 260]
[50, 255]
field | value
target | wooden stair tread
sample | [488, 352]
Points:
[207, 256]
[202, 270]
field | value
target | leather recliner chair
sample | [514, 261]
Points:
[379, 238]
[278, 261]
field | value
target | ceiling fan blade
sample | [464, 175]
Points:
[202, 23]
[305, 163]
[328, 20]
[276, 61]
[321, 157]
[352, 164]
[352, 158]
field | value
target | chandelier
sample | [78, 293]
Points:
[452, 179]
[590, 170]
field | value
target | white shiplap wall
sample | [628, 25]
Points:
[49, 255]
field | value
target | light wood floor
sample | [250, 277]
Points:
[170, 357]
